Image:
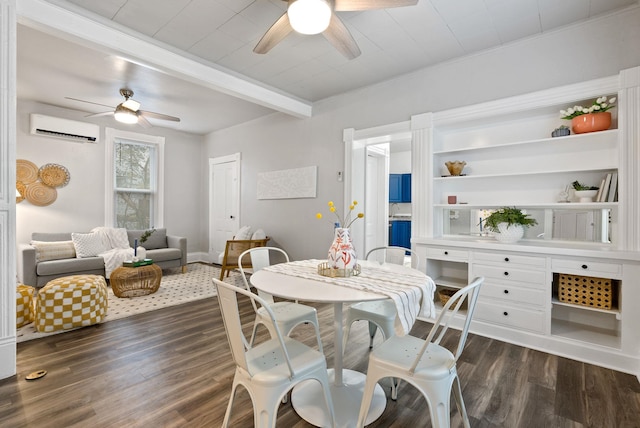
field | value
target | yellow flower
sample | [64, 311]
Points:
[332, 209]
[330, 203]
[347, 221]
[355, 202]
[360, 215]
[319, 215]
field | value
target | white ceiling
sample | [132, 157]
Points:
[222, 34]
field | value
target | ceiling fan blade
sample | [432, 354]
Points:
[143, 122]
[274, 35]
[352, 5]
[339, 36]
[89, 102]
[143, 113]
[104, 113]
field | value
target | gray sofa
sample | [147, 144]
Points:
[167, 251]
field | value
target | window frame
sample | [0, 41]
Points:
[111, 137]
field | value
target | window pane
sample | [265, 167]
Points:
[133, 164]
[133, 210]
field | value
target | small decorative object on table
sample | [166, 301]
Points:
[508, 224]
[137, 263]
[455, 167]
[584, 193]
[561, 131]
[342, 254]
[139, 252]
[590, 119]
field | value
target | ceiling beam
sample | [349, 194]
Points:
[105, 35]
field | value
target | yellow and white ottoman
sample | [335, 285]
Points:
[24, 301]
[70, 302]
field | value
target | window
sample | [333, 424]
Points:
[135, 186]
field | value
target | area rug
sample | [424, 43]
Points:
[176, 288]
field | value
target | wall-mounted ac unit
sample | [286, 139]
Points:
[64, 128]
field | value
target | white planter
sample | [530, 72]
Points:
[141, 253]
[509, 234]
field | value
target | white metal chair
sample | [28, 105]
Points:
[379, 313]
[288, 314]
[271, 369]
[425, 364]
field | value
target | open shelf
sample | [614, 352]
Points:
[586, 333]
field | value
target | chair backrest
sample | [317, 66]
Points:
[450, 309]
[228, 301]
[260, 258]
[391, 254]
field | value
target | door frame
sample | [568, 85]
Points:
[235, 158]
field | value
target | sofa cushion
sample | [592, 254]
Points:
[243, 233]
[56, 267]
[259, 234]
[163, 254]
[51, 236]
[54, 250]
[87, 244]
[158, 239]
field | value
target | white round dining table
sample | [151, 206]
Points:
[347, 386]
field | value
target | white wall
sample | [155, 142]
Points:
[79, 206]
[400, 162]
[591, 50]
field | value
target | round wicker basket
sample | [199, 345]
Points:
[40, 194]
[26, 171]
[54, 175]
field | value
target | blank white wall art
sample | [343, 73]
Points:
[288, 183]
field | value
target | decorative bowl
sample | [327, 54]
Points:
[586, 195]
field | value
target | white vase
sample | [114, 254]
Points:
[509, 233]
[342, 255]
[141, 253]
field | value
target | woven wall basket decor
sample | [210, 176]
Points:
[40, 194]
[54, 175]
[26, 171]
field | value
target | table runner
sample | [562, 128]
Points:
[412, 291]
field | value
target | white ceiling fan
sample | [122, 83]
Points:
[318, 16]
[129, 111]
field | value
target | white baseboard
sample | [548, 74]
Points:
[199, 256]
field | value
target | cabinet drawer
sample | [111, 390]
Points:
[510, 316]
[587, 267]
[513, 293]
[510, 259]
[447, 254]
[510, 275]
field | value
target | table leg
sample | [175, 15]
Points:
[346, 387]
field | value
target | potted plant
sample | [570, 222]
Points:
[583, 192]
[508, 224]
[590, 119]
[140, 252]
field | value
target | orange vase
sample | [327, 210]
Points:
[591, 122]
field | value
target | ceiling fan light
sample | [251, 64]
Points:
[124, 115]
[309, 16]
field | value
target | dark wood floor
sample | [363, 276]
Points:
[172, 368]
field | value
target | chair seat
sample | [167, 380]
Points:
[398, 353]
[288, 312]
[268, 366]
[377, 309]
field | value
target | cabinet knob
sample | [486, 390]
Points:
[446, 253]
[505, 313]
[585, 267]
[506, 291]
[506, 274]
[506, 259]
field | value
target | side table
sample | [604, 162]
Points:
[135, 281]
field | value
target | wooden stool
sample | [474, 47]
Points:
[71, 301]
[135, 281]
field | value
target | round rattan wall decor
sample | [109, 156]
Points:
[21, 188]
[40, 194]
[54, 175]
[26, 171]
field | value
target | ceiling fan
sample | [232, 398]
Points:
[129, 111]
[318, 16]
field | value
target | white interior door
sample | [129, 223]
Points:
[224, 202]
[376, 197]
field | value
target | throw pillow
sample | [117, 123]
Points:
[259, 234]
[243, 233]
[157, 239]
[87, 244]
[53, 250]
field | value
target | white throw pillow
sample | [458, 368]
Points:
[87, 244]
[259, 234]
[54, 250]
[243, 234]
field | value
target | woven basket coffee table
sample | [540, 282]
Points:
[136, 281]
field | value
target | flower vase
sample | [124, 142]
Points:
[591, 122]
[141, 253]
[342, 254]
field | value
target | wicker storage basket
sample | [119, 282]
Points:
[585, 291]
[444, 294]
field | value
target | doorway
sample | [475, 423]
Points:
[224, 202]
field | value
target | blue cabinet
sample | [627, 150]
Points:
[400, 233]
[399, 187]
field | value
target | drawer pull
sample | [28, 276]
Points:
[506, 291]
[506, 274]
[446, 253]
[505, 313]
[506, 259]
[585, 267]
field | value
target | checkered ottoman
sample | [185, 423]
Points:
[24, 300]
[71, 301]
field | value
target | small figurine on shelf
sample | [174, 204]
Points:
[561, 131]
